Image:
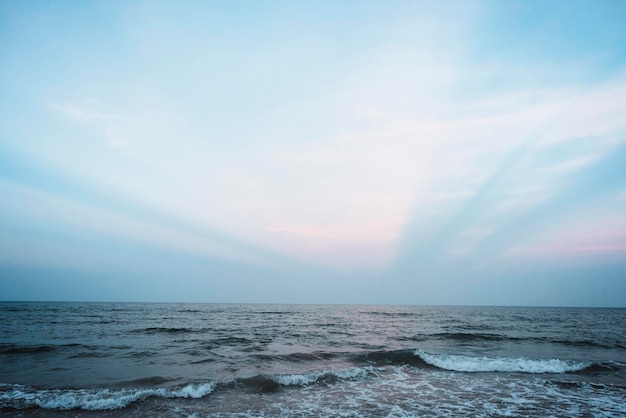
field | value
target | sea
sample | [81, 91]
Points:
[230, 360]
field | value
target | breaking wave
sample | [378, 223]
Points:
[461, 363]
[325, 376]
[21, 397]
[273, 383]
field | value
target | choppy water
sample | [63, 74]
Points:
[119, 359]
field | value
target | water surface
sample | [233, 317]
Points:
[283, 360]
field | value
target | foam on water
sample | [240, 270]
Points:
[460, 363]
[310, 378]
[305, 360]
[405, 391]
[21, 397]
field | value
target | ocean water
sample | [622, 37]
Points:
[197, 360]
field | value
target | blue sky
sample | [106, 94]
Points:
[461, 152]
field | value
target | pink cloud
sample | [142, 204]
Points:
[593, 240]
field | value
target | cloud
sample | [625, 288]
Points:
[409, 140]
[32, 209]
[317, 200]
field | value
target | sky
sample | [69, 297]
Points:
[383, 152]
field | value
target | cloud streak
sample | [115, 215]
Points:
[375, 145]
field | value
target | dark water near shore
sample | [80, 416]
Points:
[120, 359]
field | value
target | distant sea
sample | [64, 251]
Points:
[198, 360]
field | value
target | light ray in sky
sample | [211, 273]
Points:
[358, 146]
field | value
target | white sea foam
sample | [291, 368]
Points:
[356, 373]
[307, 379]
[194, 390]
[462, 363]
[95, 399]
[296, 379]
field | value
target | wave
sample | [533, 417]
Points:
[357, 373]
[12, 349]
[443, 362]
[588, 343]
[89, 354]
[298, 357]
[489, 337]
[21, 397]
[397, 357]
[16, 349]
[147, 381]
[273, 383]
[224, 341]
[391, 314]
[465, 336]
[164, 330]
[461, 363]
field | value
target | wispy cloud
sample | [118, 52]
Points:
[402, 139]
